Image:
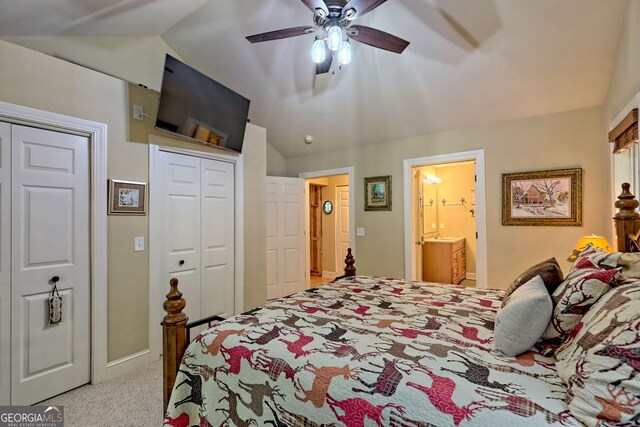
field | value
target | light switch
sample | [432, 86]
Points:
[138, 112]
[442, 226]
[433, 226]
[360, 231]
[138, 244]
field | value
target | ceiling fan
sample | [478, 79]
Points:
[334, 18]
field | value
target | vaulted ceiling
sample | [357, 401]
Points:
[470, 62]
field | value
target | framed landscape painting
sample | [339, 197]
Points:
[377, 193]
[552, 197]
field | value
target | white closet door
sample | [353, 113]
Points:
[342, 227]
[181, 224]
[5, 258]
[286, 254]
[50, 237]
[217, 238]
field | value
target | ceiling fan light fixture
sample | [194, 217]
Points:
[334, 38]
[344, 55]
[318, 53]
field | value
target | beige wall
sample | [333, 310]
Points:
[563, 140]
[276, 163]
[134, 59]
[40, 81]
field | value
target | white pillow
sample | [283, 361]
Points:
[523, 319]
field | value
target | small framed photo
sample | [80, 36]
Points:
[377, 193]
[551, 197]
[127, 197]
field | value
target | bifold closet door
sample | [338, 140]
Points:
[198, 237]
[49, 244]
[217, 238]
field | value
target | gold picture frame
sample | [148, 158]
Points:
[377, 193]
[127, 197]
[550, 197]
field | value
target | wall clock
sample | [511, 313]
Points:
[327, 207]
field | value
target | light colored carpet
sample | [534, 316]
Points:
[129, 400]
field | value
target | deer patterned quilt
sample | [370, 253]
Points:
[365, 351]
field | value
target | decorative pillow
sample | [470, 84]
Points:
[602, 363]
[572, 299]
[548, 270]
[596, 258]
[523, 318]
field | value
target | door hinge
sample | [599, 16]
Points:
[476, 234]
[475, 178]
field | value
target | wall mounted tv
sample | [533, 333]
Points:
[198, 107]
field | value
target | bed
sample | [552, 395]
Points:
[366, 351]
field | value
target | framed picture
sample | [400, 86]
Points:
[127, 197]
[377, 193]
[552, 197]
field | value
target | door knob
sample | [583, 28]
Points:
[181, 262]
[55, 279]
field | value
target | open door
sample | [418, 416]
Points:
[286, 252]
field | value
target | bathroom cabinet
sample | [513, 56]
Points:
[444, 260]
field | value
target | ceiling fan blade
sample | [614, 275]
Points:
[281, 34]
[377, 38]
[325, 65]
[359, 7]
[316, 4]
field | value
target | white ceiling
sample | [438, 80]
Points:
[470, 62]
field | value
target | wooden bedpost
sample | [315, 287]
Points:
[627, 220]
[174, 339]
[349, 269]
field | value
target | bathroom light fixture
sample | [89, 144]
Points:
[430, 179]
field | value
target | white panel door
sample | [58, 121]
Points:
[50, 237]
[217, 238]
[286, 254]
[342, 227]
[5, 260]
[181, 226]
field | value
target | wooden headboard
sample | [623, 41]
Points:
[627, 221]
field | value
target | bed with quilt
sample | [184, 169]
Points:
[366, 351]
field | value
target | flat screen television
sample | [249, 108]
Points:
[197, 107]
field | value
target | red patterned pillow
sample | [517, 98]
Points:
[595, 258]
[601, 366]
[572, 299]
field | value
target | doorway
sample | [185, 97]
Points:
[445, 239]
[46, 154]
[330, 223]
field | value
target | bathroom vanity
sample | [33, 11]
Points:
[444, 260]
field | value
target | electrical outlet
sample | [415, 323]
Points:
[360, 231]
[442, 226]
[138, 112]
[434, 226]
[138, 244]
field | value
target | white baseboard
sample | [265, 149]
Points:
[471, 276]
[128, 364]
[329, 274]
